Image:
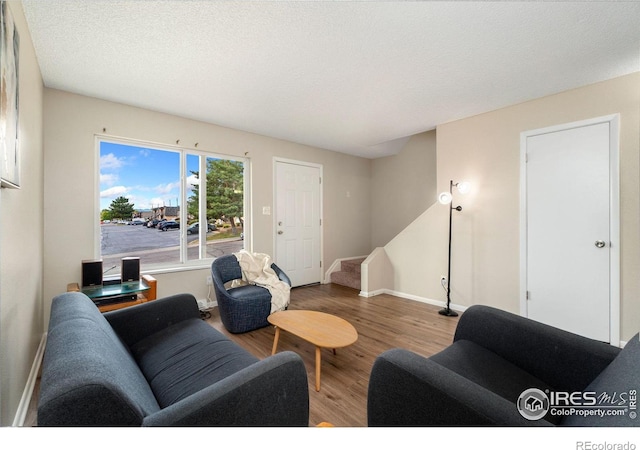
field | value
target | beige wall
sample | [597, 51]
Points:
[485, 150]
[47, 226]
[71, 123]
[402, 187]
[418, 257]
[21, 241]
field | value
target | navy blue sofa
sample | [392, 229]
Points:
[495, 357]
[160, 364]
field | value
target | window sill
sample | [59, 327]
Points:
[200, 265]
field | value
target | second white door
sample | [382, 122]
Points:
[297, 221]
[569, 228]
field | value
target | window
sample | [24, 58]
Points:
[155, 204]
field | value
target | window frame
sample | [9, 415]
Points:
[184, 264]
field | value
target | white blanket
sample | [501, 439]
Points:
[256, 269]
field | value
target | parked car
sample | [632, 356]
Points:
[169, 225]
[155, 222]
[194, 228]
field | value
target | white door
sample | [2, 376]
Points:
[297, 221]
[570, 225]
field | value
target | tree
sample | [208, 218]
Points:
[105, 214]
[225, 191]
[120, 208]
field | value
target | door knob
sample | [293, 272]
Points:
[600, 244]
[280, 232]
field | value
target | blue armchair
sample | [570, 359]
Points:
[243, 308]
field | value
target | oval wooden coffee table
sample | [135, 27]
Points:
[321, 329]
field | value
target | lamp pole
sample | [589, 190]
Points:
[448, 311]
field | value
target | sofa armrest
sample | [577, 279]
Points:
[564, 360]
[281, 275]
[271, 392]
[406, 389]
[137, 322]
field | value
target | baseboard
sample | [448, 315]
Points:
[373, 293]
[27, 394]
[416, 298]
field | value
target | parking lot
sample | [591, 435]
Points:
[154, 246]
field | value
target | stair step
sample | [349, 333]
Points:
[349, 273]
[351, 265]
[349, 279]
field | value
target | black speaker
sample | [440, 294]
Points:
[92, 273]
[130, 269]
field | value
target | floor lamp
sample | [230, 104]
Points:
[446, 198]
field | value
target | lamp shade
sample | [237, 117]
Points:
[445, 198]
[464, 187]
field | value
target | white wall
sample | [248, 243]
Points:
[485, 150]
[21, 240]
[71, 122]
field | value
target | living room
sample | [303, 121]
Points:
[48, 224]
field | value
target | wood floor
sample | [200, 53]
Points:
[383, 322]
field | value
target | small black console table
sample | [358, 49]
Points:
[110, 297]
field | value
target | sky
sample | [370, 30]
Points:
[147, 177]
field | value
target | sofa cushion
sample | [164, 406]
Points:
[489, 370]
[619, 381]
[250, 291]
[186, 358]
[82, 350]
[562, 359]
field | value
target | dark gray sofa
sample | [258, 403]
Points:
[494, 358]
[159, 364]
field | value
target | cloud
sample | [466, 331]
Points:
[113, 192]
[108, 178]
[156, 202]
[167, 188]
[111, 161]
[193, 180]
[137, 201]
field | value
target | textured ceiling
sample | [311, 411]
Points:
[354, 77]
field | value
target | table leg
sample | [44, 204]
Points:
[275, 341]
[318, 365]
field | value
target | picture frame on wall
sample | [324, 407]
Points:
[9, 142]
